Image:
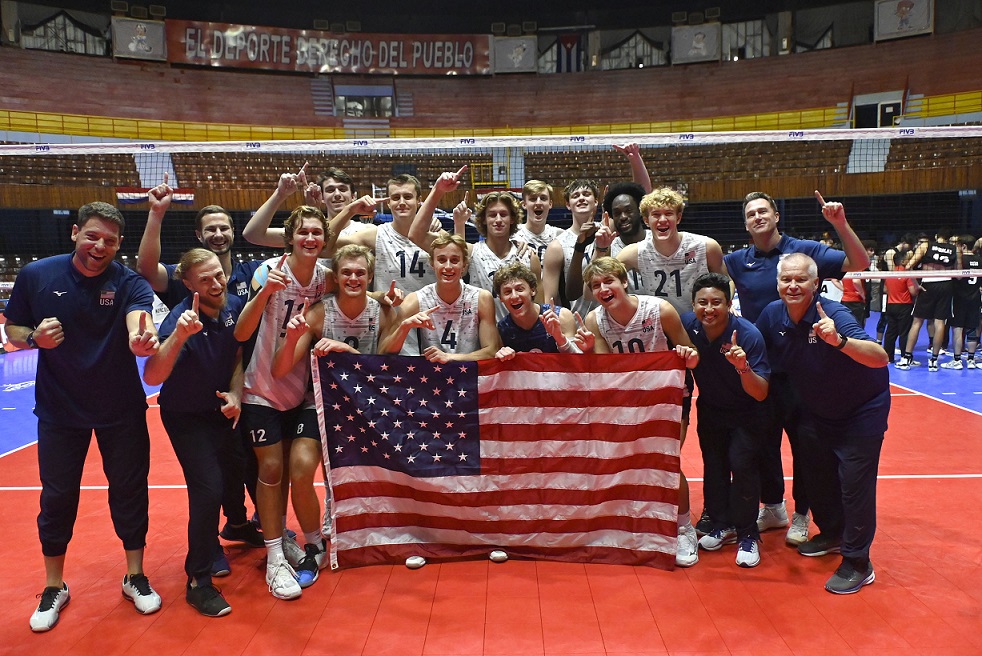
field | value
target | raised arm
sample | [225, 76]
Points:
[552, 269]
[148, 256]
[639, 172]
[856, 257]
[257, 230]
[420, 232]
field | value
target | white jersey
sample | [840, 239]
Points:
[287, 392]
[360, 333]
[399, 259]
[457, 324]
[642, 334]
[671, 277]
[541, 241]
[484, 264]
[567, 240]
[635, 283]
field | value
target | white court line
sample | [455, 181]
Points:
[953, 405]
[886, 477]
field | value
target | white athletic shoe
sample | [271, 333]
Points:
[954, 364]
[53, 599]
[772, 516]
[293, 552]
[137, 589]
[282, 580]
[748, 553]
[798, 532]
[687, 549]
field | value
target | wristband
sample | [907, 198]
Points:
[569, 347]
[579, 247]
[841, 345]
[745, 370]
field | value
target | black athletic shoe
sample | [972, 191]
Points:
[207, 600]
[705, 524]
[820, 545]
[849, 578]
[246, 534]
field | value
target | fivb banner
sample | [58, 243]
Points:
[310, 51]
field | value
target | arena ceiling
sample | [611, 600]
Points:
[461, 16]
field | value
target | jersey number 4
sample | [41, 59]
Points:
[449, 337]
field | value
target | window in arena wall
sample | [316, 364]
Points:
[745, 40]
[61, 34]
[634, 53]
[547, 61]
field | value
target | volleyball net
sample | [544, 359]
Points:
[892, 180]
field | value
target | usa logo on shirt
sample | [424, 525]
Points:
[107, 298]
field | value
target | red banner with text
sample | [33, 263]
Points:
[310, 51]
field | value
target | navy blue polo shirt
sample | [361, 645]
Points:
[536, 339]
[206, 361]
[90, 379]
[843, 395]
[754, 272]
[719, 383]
[239, 281]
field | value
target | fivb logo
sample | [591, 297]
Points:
[253, 145]
[577, 139]
[468, 142]
[796, 134]
[906, 132]
[688, 136]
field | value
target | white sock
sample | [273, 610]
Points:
[274, 551]
[685, 519]
[314, 537]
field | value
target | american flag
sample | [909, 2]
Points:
[548, 456]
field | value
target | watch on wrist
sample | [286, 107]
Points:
[30, 340]
[842, 344]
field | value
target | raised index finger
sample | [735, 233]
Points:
[579, 320]
[733, 339]
[279, 265]
[460, 172]
[194, 303]
[821, 312]
[143, 322]
[166, 177]
[427, 312]
[818, 195]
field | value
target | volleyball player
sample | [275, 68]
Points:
[624, 222]
[454, 321]
[628, 323]
[668, 261]
[346, 320]
[271, 407]
[966, 306]
[498, 215]
[933, 303]
[535, 230]
[581, 200]
[530, 326]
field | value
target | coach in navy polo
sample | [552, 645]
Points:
[840, 375]
[732, 375]
[199, 365]
[754, 273]
[89, 316]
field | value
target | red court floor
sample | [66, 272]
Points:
[927, 598]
